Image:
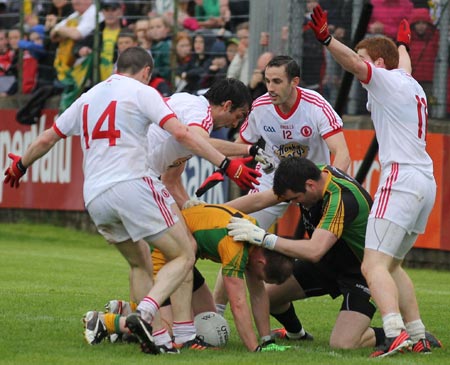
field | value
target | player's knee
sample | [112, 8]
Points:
[364, 269]
[187, 259]
[342, 343]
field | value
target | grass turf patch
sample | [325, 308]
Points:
[50, 276]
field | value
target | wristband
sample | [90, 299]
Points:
[224, 164]
[269, 241]
[253, 150]
[21, 167]
[327, 41]
[403, 44]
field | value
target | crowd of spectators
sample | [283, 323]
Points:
[209, 40]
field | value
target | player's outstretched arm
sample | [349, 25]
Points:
[312, 250]
[259, 300]
[240, 149]
[236, 170]
[237, 295]
[43, 143]
[343, 55]
[254, 202]
[403, 43]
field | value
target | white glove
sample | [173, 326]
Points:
[192, 203]
[267, 162]
[242, 229]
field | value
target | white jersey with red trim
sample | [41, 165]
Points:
[165, 151]
[398, 108]
[301, 132]
[112, 120]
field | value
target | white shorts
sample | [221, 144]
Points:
[133, 209]
[267, 216]
[405, 197]
[387, 237]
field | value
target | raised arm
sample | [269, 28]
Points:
[343, 55]
[403, 43]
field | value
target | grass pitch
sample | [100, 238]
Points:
[50, 276]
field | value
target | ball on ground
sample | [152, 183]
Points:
[212, 328]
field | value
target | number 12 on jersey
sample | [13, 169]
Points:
[111, 133]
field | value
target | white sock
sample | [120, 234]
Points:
[393, 324]
[296, 336]
[183, 331]
[220, 308]
[148, 308]
[162, 337]
[416, 330]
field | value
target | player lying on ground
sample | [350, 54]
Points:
[242, 266]
[335, 209]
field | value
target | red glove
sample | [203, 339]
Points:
[319, 25]
[241, 174]
[404, 34]
[210, 182]
[14, 172]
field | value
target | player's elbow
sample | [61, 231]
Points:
[181, 134]
[316, 256]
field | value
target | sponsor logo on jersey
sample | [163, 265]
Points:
[289, 126]
[179, 161]
[268, 128]
[291, 150]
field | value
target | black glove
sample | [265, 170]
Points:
[267, 162]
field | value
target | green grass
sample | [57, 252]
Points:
[51, 276]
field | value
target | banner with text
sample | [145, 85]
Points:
[55, 182]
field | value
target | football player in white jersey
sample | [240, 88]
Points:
[407, 189]
[126, 204]
[225, 105]
[292, 121]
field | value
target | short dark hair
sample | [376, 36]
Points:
[292, 173]
[278, 267]
[127, 33]
[290, 65]
[133, 60]
[229, 89]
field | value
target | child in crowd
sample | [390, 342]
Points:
[141, 30]
[29, 64]
[159, 31]
[6, 55]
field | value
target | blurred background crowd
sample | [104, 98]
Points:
[63, 47]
